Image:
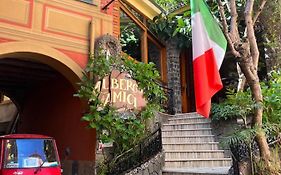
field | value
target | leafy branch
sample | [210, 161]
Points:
[123, 129]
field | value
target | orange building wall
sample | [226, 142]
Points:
[116, 19]
[52, 110]
[63, 25]
[113, 10]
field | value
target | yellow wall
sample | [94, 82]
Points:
[60, 24]
[58, 33]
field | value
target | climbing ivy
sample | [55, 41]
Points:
[123, 129]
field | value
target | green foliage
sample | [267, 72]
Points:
[147, 77]
[238, 104]
[272, 98]
[176, 26]
[130, 39]
[170, 5]
[179, 27]
[125, 129]
[247, 135]
[243, 143]
[241, 136]
[167, 26]
[270, 22]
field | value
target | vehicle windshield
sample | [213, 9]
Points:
[30, 153]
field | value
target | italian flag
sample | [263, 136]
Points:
[209, 46]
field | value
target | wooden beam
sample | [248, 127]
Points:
[163, 61]
[130, 15]
[144, 7]
[180, 10]
[144, 47]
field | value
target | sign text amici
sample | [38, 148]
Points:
[120, 90]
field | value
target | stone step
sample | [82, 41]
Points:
[197, 125]
[193, 154]
[206, 162]
[187, 173]
[191, 146]
[190, 114]
[191, 138]
[192, 119]
[185, 132]
[196, 171]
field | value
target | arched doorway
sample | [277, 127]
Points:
[42, 81]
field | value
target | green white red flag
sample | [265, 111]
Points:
[209, 46]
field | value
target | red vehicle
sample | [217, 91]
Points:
[29, 154]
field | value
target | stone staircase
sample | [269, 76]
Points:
[190, 147]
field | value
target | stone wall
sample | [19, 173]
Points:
[173, 67]
[151, 167]
[8, 110]
[223, 128]
[72, 167]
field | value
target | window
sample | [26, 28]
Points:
[28, 153]
[154, 55]
[130, 37]
[138, 42]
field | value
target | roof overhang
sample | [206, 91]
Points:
[180, 10]
[146, 7]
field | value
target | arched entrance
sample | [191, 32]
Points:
[42, 81]
[39, 52]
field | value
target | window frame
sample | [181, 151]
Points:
[146, 34]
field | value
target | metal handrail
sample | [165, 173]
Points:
[169, 106]
[145, 150]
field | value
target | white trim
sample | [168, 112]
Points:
[219, 53]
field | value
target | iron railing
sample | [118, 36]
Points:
[243, 152]
[141, 153]
[169, 104]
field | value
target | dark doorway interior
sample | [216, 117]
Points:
[46, 106]
[19, 78]
[187, 86]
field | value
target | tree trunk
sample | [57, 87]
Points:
[245, 49]
[241, 79]
[249, 66]
[252, 78]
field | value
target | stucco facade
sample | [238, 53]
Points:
[44, 47]
[58, 34]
